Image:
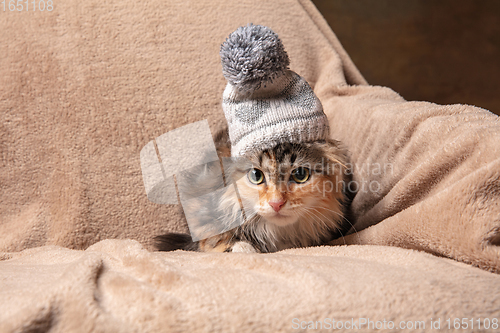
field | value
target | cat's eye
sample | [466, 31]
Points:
[300, 175]
[255, 176]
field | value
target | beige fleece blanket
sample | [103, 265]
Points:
[118, 286]
[85, 86]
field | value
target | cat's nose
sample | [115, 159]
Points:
[277, 204]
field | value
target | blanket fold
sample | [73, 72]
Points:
[427, 176]
[118, 286]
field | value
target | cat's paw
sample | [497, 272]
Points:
[243, 247]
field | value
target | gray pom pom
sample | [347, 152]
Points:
[251, 56]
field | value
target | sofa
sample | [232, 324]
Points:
[85, 86]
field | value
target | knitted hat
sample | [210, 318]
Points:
[264, 102]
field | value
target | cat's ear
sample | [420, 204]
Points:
[334, 152]
[222, 143]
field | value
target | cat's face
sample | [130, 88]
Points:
[291, 182]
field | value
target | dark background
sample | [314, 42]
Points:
[445, 51]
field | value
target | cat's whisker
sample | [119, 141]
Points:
[331, 210]
[344, 218]
[338, 229]
[315, 217]
[325, 219]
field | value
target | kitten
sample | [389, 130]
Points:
[293, 196]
